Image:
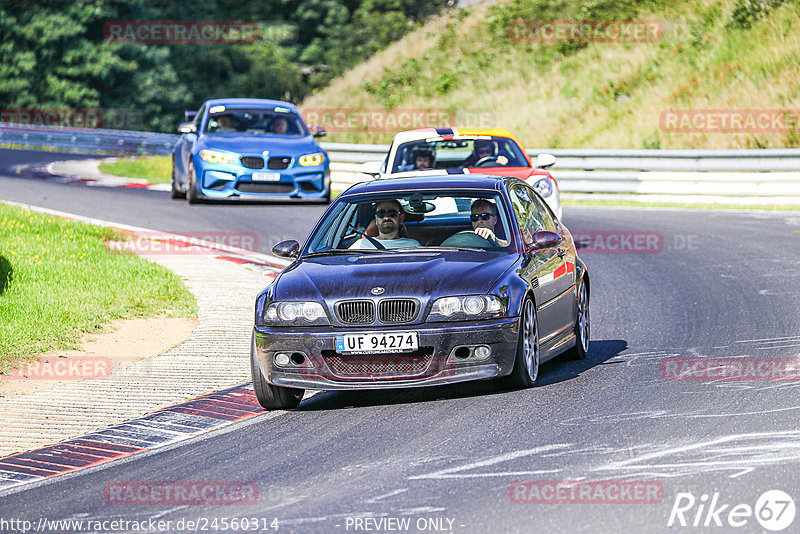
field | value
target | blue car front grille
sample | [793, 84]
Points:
[356, 312]
[252, 162]
[395, 311]
[278, 163]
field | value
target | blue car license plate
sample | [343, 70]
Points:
[376, 342]
[266, 176]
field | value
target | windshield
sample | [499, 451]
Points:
[459, 153]
[410, 220]
[254, 121]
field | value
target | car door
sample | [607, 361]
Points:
[563, 281]
[540, 267]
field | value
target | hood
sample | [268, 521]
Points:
[422, 275]
[278, 145]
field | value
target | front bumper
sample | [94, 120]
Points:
[433, 364]
[232, 182]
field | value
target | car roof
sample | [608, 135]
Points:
[244, 102]
[435, 181]
[428, 133]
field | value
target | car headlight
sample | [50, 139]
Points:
[212, 156]
[311, 160]
[295, 314]
[544, 186]
[466, 308]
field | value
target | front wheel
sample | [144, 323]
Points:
[175, 192]
[526, 363]
[192, 196]
[271, 397]
[581, 348]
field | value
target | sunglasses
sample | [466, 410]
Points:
[382, 214]
[481, 216]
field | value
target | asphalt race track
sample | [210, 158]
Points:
[708, 284]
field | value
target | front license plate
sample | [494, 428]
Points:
[266, 176]
[376, 342]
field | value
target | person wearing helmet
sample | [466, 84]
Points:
[424, 157]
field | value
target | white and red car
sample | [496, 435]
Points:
[494, 151]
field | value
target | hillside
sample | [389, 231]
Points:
[708, 58]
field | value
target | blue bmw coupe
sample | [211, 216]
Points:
[407, 282]
[249, 149]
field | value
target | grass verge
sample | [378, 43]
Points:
[699, 206]
[154, 169]
[58, 280]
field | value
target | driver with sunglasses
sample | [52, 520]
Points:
[484, 218]
[388, 216]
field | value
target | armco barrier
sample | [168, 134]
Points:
[769, 175]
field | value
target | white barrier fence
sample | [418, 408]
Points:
[769, 176]
[766, 176]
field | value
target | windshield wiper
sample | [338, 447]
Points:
[342, 252]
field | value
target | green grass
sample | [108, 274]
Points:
[58, 279]
[714, 55]
[700, 206]
[154, 169]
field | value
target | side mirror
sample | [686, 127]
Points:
[188, 116]
[545, 239]
[287, 249]
[187, 128]
[373, 168]
[543, 161]
[317, 131]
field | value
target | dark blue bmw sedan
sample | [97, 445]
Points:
[249, 149]
[410, 282]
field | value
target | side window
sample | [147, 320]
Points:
[530, 215]
[199, 117]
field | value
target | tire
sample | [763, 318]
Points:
[175, 192]
[271, 397]
[526, 363]
[582, 324]
[192, 196]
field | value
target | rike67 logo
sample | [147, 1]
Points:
[774, 510]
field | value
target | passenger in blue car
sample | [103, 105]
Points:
[280, 125]
[389, 218]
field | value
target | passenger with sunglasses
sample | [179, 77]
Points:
[484, 218]
[389, 217]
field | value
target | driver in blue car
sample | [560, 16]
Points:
[389, 218]
[483, 215]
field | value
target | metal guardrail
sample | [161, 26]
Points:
[768, 173]
[87, 140]
[765, 173]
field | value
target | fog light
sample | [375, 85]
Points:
[282, 358]
[482, 352]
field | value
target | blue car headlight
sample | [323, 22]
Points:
[465, 308]
[297, 313]
[311, 160]
[215, 156]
